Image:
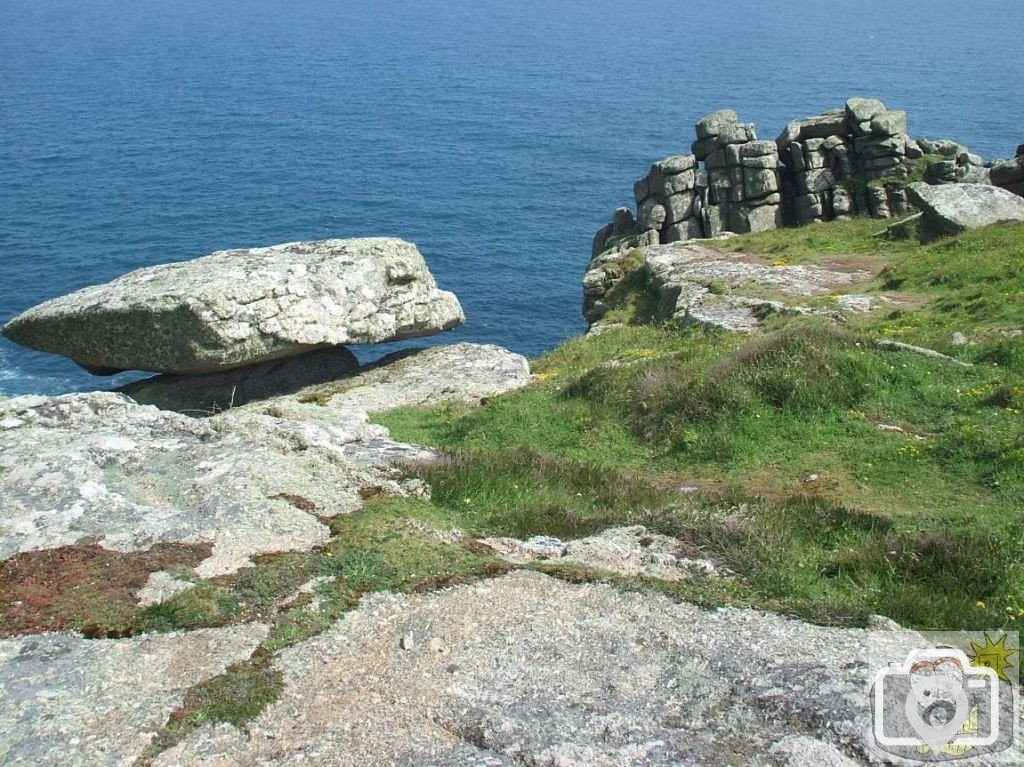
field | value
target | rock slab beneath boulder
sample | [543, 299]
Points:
[240, 307]
[950, 209]
[461, 372]
[249, 480]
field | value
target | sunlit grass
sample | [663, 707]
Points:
[806, 428]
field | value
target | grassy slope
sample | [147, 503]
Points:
[837, 478]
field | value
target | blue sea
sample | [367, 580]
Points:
[496, 135]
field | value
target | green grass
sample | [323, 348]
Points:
[236, 697]
[629, 301]
[811, 243]
[972, 284]
[523, 493]
[805, 555]
[869, 479]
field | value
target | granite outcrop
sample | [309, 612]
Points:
[529, 670]
[1009, 174]
[855, 160]
[697, 282]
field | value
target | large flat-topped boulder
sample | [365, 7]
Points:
[239, 307]
[950, 209]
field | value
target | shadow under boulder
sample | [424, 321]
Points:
[202, 395]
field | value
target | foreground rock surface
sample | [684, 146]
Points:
[77, 702]
[239, 307]
[952, 209]
[249, 480]
[593, 677]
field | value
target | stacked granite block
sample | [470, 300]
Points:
[665, 198]
[742, 190]
[955, 163]
[737, 190]
[622, 233]
[854, 160]
[846, 161]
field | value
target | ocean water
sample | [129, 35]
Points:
[496, 135]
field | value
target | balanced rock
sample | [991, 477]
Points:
[954, 208]
[240, 307]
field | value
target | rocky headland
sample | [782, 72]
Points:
[855, 160]
[235, 563]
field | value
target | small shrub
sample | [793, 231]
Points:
[801, 370]
[207, 604]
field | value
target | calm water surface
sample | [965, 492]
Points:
[498, 136]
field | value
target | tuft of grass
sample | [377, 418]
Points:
[803, 370]
[825, 562]
[523, 493]
[206, 605]
[235, 697]
[718, 287]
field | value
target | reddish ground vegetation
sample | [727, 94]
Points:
[83, 587]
